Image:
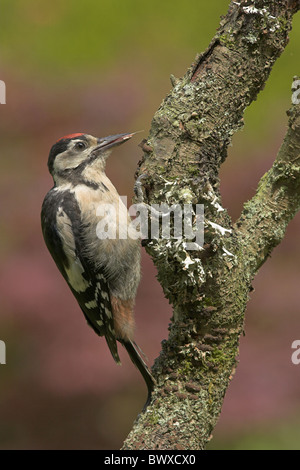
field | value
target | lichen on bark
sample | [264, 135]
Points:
[209, 287]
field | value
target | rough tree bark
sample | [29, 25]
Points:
[209, 288]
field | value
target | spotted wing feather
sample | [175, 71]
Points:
[62, 230]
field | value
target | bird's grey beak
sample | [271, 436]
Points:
[104, 143]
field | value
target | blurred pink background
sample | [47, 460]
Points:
[60, 388]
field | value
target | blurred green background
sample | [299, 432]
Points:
[103, 67]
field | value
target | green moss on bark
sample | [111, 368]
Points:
[188, 142]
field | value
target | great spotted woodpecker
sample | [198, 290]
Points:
[102, 273]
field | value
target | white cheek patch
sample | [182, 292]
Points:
[74, 270]
[65, 161]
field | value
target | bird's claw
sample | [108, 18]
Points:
[138, 191]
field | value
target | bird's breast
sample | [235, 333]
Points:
[106, 230]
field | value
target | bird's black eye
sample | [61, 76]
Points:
[80, 145]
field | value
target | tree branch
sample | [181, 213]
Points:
[208, 288]
[264, 220]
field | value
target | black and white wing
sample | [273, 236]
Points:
[63, 234]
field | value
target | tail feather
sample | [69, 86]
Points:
[112, 344]
[137, 360]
